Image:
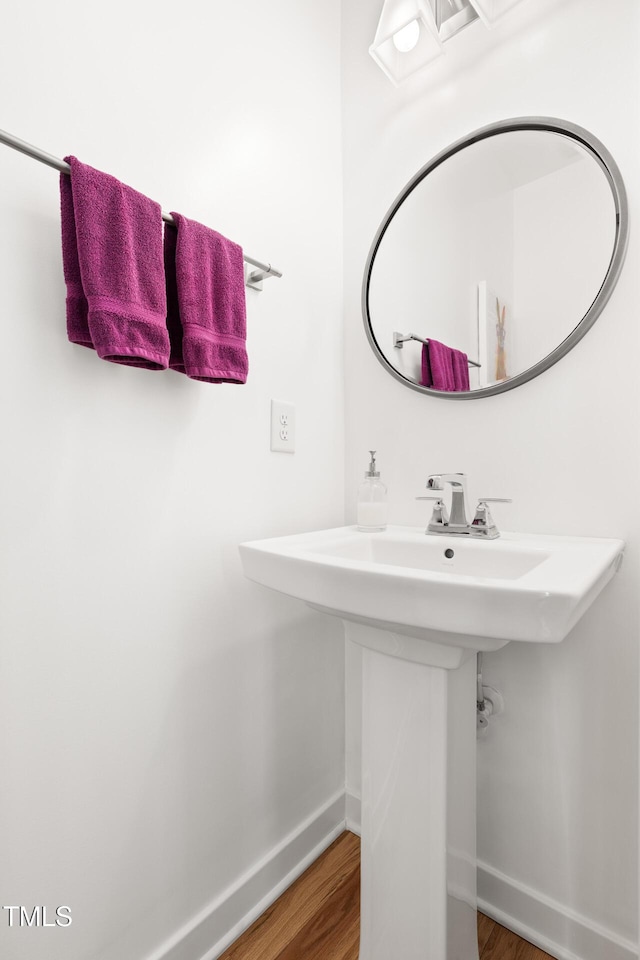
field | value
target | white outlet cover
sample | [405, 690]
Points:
[283, 426]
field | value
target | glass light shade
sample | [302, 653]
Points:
[406, 39]
[397, 16]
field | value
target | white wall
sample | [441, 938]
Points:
[398, 300]
[165, 723]
[558, 771]
[562, 255]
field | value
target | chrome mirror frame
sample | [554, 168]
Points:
[608, 165]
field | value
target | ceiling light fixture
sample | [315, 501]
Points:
[406, 39]
[411, 33]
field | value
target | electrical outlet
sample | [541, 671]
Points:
[283, 426]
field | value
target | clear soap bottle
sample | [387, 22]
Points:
[372, 500]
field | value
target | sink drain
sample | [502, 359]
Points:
[449, 553]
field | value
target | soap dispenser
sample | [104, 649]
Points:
[372, 500]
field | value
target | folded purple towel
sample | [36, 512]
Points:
[437, 366]
[207, 318]
[460, 370]
[112, 259]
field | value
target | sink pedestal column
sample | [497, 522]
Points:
[418, 802]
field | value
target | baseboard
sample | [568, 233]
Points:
[549, 925]
[222, 921]
[353, 807]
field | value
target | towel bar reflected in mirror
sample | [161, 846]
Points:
[400, 338]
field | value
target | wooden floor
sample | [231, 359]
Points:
[318, 918]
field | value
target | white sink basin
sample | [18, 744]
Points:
[419, 603]
[471, 594]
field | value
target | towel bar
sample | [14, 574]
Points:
[400, 338]
[253, 279]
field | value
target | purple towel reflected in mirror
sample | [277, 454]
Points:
[444, 368]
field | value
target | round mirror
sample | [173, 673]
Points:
[496, 258]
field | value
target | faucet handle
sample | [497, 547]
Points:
[440, 515]
[483, 516]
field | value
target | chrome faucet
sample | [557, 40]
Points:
[482, 526]
[458, 483]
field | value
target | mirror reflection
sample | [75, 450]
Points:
[491, 260]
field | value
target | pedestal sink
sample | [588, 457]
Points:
[421, 607]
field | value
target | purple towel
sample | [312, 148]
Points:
[207, 317]
[112, 259]
[460, 370]
[437, 366]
